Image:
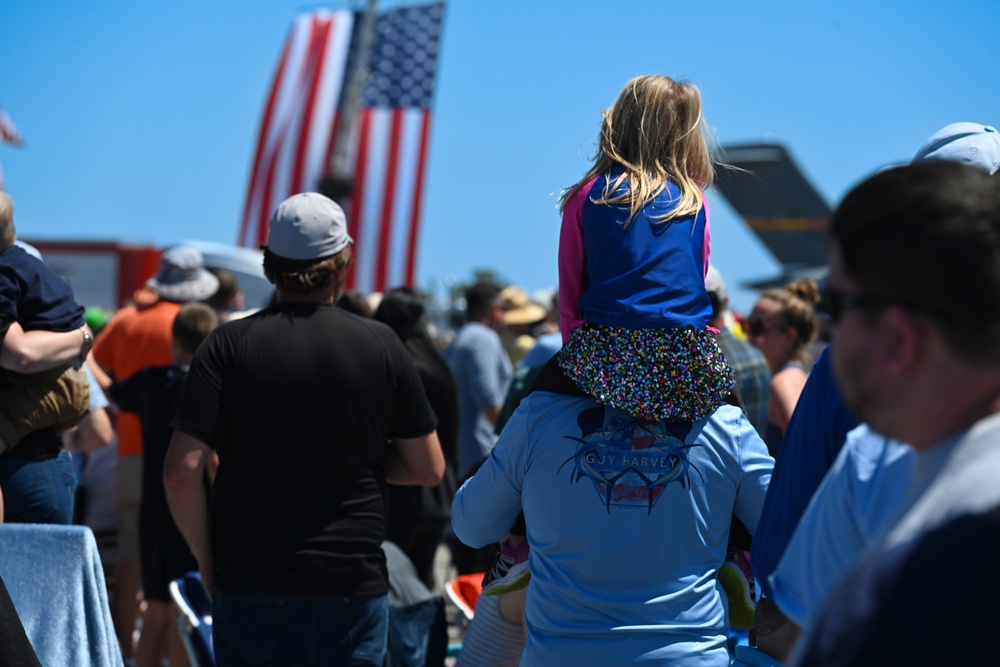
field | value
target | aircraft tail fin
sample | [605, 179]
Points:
[778, 202]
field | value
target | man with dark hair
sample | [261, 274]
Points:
[913, 291]
[821, 421]
[311, 411]
[482, 371]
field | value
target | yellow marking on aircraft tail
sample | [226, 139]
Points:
[787, 224]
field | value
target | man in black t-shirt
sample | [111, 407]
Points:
[311, 410]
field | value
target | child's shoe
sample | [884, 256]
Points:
[510, 571]
[737, 580]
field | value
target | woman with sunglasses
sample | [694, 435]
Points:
[782, 325]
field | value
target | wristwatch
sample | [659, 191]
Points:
[88, 342]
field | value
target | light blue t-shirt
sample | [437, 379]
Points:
[482, 372]
[98, 401]
[627, 522]
[864, 488]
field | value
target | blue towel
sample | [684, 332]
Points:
[57, 585]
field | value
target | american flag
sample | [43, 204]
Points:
[8, 132]
[386, 150]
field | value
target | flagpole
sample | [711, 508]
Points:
[339, 167]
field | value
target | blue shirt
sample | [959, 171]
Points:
[482, 372]
[865, 487]
[628, 524]
[815, 434]
[649, 274]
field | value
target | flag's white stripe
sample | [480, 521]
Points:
[286, 142]
[287, 111]
[283, 107]
[376, 154]
[406, 181]
[328, 95]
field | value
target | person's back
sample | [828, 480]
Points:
[299, 498]
[37, 299]
[633, 253]
[152, 394]
[482, 372]
[628, 522]
[298, 511]
[418, 515]
[649, 274]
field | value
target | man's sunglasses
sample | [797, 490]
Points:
[833, 303]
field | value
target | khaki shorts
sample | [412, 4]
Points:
[57, 398]
[129, 498]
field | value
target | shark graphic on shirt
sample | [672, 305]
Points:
[630, 461]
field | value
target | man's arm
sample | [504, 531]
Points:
[104, 380]
[35, 351]
[492, 414]
[183, 476]
[415, 461]
[93, 433]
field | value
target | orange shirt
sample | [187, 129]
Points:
[135, 338]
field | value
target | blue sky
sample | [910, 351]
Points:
[140, 118]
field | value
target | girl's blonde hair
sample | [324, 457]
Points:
[655, 132]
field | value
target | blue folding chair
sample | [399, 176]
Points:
[195, 619]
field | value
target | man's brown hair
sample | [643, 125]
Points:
[192, 325]
[305, 277]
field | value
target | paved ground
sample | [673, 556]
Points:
[443, 573]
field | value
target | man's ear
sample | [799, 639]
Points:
[901, 340]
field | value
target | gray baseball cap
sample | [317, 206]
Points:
[308, 226]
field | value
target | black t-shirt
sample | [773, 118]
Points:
[300, 400]
[152, 394]
[34, 296]
[421, 502]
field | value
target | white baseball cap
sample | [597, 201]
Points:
[308, 226]
[973, 144]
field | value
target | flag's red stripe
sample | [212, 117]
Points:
[418, 191]
[317, 54]
[388, 201]
[353, 222]
[265, 128]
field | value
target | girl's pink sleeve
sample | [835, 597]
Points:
[572, 263]
[708, 234]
